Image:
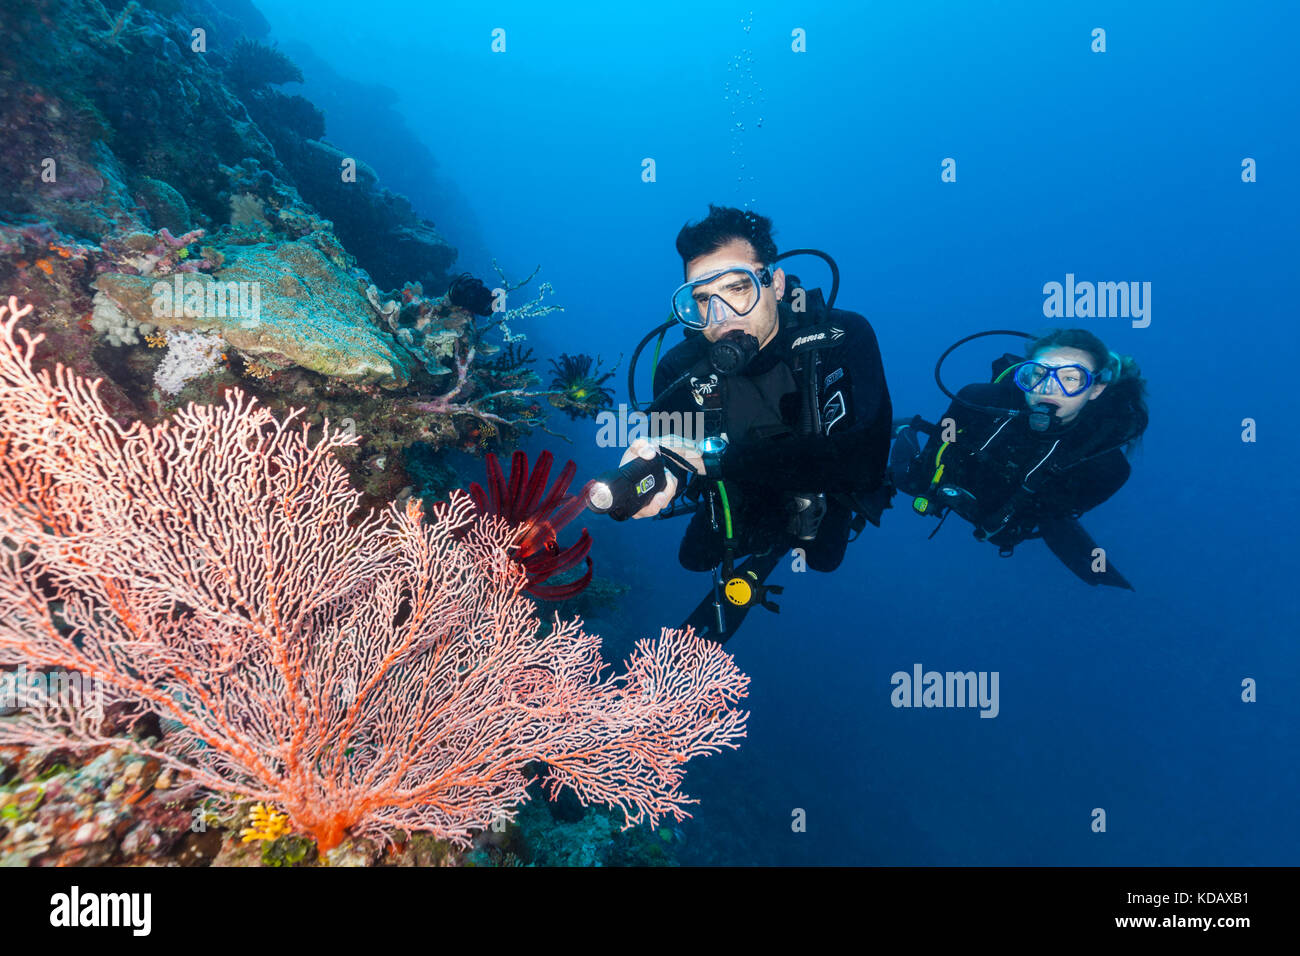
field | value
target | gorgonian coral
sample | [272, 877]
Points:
[363, 673]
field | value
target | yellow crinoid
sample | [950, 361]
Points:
[266, 823]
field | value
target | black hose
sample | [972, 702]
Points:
[660, 330]
[835, 270]
[938, 366]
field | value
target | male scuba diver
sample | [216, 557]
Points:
[1024, 456]
[795, 418]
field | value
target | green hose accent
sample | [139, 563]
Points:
[726, 509]
[1007, 370]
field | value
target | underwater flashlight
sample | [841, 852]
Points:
[624, 491]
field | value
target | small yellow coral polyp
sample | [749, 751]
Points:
[156, 340]
[267, 822]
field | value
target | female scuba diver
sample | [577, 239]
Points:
[1025, 455]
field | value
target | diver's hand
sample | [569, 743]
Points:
[646, 449]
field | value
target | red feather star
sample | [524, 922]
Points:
[522, 503]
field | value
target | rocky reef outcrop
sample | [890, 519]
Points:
[181, 225]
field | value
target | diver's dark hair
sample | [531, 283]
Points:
[1126, 388]
[720, 226]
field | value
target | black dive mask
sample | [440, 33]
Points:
[731, 353]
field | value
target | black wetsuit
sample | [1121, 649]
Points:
[1022, 483]
[768, 460]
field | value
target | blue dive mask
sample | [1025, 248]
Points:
[714, 298]
[1070, 379]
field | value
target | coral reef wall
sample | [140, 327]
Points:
[142, 123]
[181, 224]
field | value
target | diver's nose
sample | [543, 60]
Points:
[719, 311]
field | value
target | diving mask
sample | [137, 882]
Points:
[714, 298]
[1070, 379]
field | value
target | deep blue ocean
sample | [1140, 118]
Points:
[1122, 165]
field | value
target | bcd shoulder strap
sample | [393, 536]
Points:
[814, 331]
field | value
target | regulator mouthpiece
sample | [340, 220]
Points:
[731, 353]
[1040, 416]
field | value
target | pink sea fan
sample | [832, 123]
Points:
[363, 672]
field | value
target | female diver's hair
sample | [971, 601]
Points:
[1127, 387]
